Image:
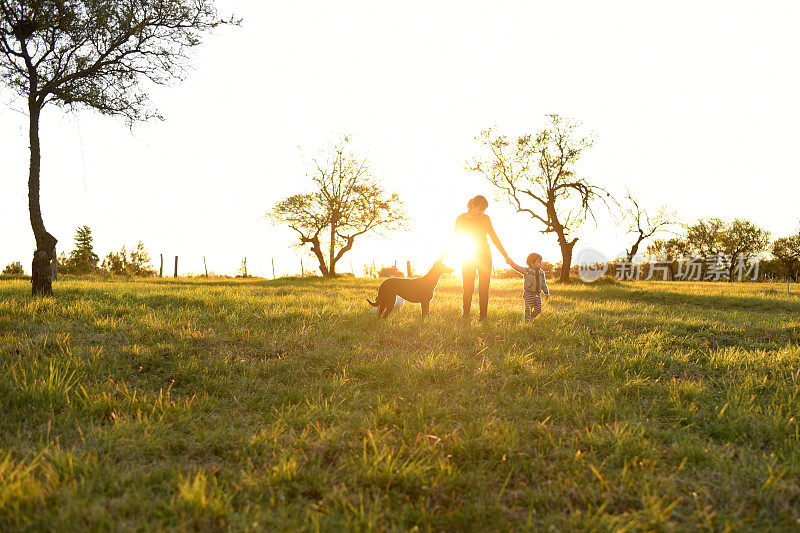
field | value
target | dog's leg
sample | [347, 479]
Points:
[389, 307]
[425, 308]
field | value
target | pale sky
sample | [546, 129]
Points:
[693, 104]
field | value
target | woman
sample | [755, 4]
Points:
[473, 226]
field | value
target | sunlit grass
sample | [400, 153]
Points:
[256, 405]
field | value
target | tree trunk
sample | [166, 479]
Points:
[317, 250]
[635, 248]
[44, 255]
[332, 260]
[732, 266]
[566, 256]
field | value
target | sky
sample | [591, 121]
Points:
[694, 105]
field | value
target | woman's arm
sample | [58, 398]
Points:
[495, 239]
[515, 266]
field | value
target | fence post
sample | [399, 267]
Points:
[176, 267]
[161, 268]
[205, 267]
[408, 268]
[302, 269]
[273, 267]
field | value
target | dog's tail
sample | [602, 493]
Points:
[373, 304]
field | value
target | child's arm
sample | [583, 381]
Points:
[544, 287]
[513, 265]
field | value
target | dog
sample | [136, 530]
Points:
[398, 306]
[417, 290]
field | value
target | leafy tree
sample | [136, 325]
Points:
[743, 239]
[346, 203]
[139, 263]
[390, 272]
[734, 240]
[133, 263]
[787, 251]
[94, 54]
[82, 259]
[116, 263]
[537, 175]
[669, 250]
[13, 269]
[704, 237]
[64, 264]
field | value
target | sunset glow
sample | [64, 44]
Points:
[414, 108]
[461, 250]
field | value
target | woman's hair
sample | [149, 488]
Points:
[478, 201]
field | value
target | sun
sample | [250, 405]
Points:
[461, 250]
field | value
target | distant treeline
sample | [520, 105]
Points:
[83, 259]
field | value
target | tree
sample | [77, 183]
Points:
[670, 251]
[787, 251]
[704, 237]
[95, 54]
[743, 239]
[13, 269]
[139, 262]
[735, 241]
[133, 263]
[82, 259]
[536, 174]
[116, 263]
[642, 225]
[346, 202]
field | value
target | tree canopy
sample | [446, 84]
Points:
[345, 203]
[537, 175]
[95, 54]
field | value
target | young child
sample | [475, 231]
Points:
[534, 284]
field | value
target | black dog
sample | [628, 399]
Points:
[418, 290]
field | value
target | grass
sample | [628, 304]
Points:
[252, 405]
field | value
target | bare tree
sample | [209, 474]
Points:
[642, 225]
[95, 54]
[536, 174]
[347, 202]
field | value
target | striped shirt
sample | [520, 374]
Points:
[529, 276]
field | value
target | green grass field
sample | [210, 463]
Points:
[251, 405]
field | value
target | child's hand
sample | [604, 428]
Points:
[547, 296]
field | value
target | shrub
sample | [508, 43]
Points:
[390, 272]
[14, 269]
[121, 263]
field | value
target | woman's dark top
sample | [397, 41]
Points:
[476, 228]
